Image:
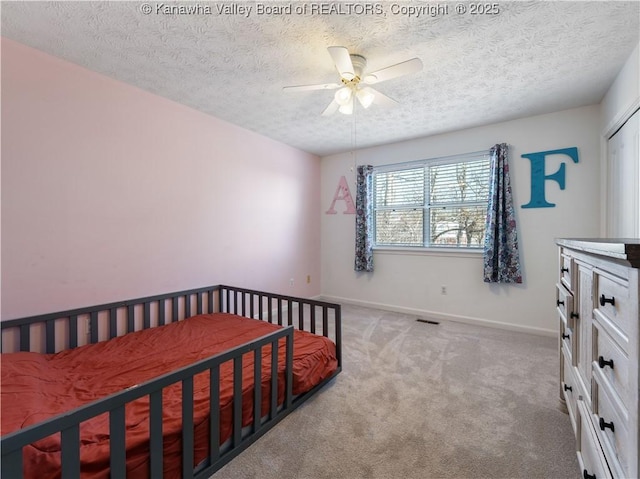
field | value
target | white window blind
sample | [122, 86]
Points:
[431, 203]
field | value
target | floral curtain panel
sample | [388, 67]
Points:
[501, 257]
[364, 221]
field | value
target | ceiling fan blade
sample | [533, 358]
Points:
[331, 109]
[321, 86]
[393, 71]
[382, 100]
[343, 62]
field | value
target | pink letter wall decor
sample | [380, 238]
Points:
[342, 193]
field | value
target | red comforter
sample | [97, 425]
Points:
[38, 386]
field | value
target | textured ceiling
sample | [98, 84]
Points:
[529, 58]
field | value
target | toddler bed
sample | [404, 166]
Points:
[157, 391]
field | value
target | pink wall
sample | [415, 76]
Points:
[110, 192]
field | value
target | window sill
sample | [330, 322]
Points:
[475, 253]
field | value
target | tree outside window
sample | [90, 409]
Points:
[435, 203]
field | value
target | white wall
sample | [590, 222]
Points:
[110, 193]
[411, 281]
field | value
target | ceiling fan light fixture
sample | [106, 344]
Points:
[365, 97]
[343, 96]
[354, 81]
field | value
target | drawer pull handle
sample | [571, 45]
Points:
[586, 475]
[602, 363]
[574, 316]
[567, 388]
[564, 270]
[558, 302]
[604, 425]
[604, 300]
[565, 336]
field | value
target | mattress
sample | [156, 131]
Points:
[37, 386]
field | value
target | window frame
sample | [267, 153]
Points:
[426, 207]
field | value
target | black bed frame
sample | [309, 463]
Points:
[69, 329]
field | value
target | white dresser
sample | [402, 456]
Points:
[597, 299]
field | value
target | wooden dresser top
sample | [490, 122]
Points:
[627, 249]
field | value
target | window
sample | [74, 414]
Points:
[432, 203]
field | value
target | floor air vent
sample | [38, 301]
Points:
[428, 321]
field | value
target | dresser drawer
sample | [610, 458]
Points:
[566, 338]
[570, 387]
[566, 271]
[614, 305]
[564, 303]
[612, 363]
[611, 423]
[590, 457]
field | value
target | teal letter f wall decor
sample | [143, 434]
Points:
[538, 175]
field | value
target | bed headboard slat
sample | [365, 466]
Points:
[174, 309]
[131, 319]
[199, 303]
[161, 311]
[93, 327]
[325, 321]
[313, 319]
[52, 332]
[146, 318]
[25, 338]
[50, 336]
[113, 322]
[187, 305]
[211, 304]
[73, 331]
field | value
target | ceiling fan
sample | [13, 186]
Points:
[354, 81]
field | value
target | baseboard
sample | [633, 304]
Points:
[442, 316]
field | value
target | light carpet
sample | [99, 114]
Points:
[416, 400]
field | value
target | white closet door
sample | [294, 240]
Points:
[624, 180]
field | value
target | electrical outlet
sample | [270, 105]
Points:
[308, 279]
[443, 289]
[291, 282]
